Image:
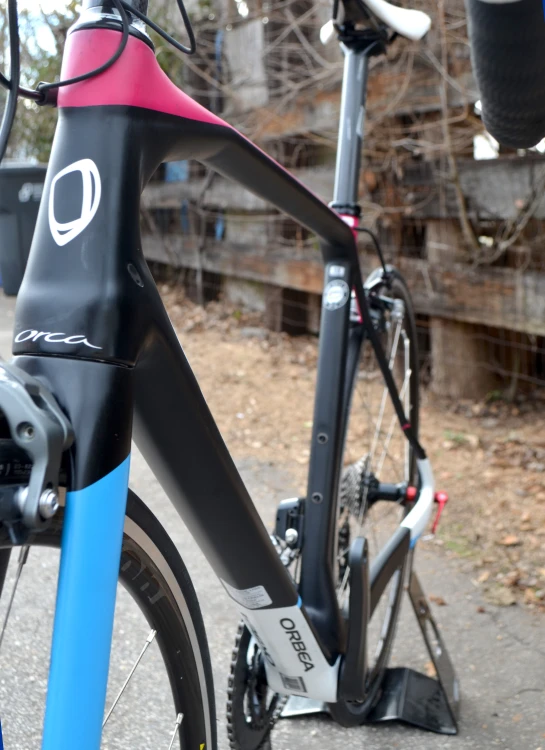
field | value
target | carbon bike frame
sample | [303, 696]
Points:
[91, 325]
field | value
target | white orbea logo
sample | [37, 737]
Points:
[63, 233]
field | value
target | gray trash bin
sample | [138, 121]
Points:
[21, 186]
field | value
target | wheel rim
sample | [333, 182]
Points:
[375, 449]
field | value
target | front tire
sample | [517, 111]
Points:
[156, 580]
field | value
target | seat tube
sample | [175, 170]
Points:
[351, 128]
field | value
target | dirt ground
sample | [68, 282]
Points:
[489, 457]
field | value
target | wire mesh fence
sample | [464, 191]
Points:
[510, 364]
[463, 218]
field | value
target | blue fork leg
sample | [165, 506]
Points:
[82, 635]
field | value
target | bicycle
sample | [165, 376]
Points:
[95, 355]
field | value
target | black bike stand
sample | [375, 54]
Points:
[407, 695]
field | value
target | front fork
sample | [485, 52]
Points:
[84, 615]
[98, 399]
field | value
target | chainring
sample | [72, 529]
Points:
[250, 718]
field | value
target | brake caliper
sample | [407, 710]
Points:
[40, 431]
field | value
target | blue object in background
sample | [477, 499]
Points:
[1, 740]
[215, 95]
[220, 227]
[177, 171]
[218, 46]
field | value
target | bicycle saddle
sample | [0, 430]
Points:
[413, 24]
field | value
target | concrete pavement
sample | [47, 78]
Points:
[499, 654]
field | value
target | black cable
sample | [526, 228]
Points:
[381, 356]
[187, 23]
[384, 367]
[120, 6]
[21, 90]
[40, 95]
[377, 246]
[15, 73]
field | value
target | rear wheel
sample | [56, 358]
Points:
[168, 700]
[377, 458]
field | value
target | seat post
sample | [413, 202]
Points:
[357, 51]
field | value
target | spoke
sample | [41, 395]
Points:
[378, 425]
[378, 439]
[179, 720]
[397, 462]
[386, 443]
[385, 393]
[342, 587]
[384, 455]
[149, 641]
[397, 334]
[23, 557]
[407, 350]
[358, 434]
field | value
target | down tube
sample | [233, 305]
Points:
[183, 446]
[179, 439]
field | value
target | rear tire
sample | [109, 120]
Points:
[375, 448]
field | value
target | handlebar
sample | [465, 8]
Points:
[508, 54]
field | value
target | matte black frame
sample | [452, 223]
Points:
[99, 287]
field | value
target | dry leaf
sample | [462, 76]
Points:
[473, 440]
[517, 717]
[510, 540]
[485, 575]
[438, 600]
[511, 578]
[481, 610]
[500, 596]
[429, 668]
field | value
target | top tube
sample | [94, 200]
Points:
[137, 81]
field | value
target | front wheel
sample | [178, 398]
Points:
[160, 680]
[376, 453]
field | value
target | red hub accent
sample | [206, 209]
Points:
[410, 494]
